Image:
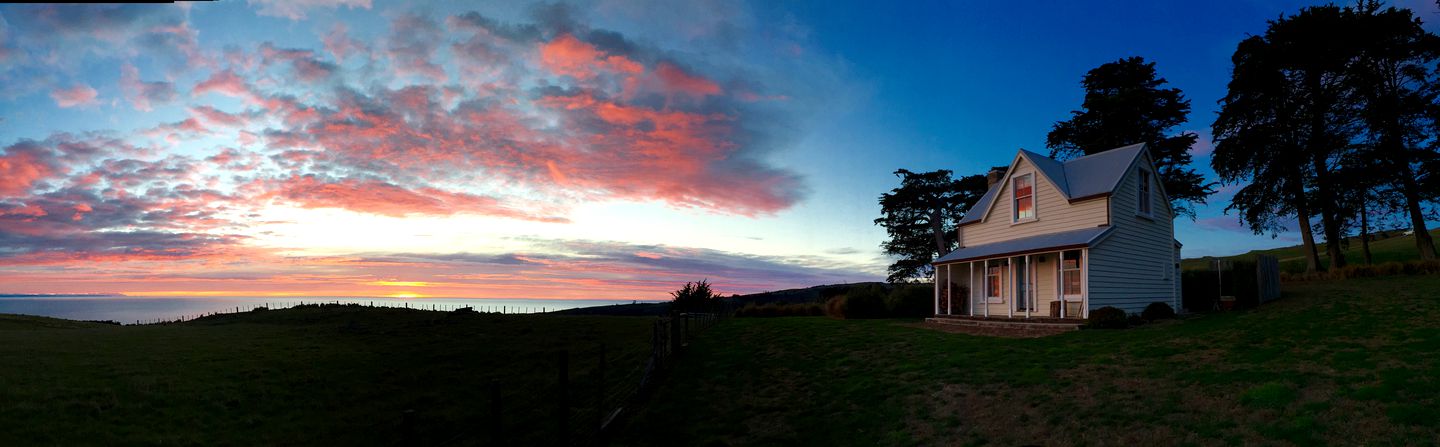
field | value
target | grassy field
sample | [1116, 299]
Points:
[310, 376]
[1395, 248]
[1338, 363]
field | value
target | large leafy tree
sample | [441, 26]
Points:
[919, 216]
[1287, 121]
[1396, 81]
[1126, 102]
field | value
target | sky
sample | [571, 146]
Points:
[604, 149]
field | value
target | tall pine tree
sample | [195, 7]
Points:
[1126, 102]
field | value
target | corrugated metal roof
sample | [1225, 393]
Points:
[1051, 169]
[978, 208]
[1064, 239]
[1086, 176]
[1100, 173]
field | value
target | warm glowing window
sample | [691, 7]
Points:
[992, 282]
[1024, 192]
[1144, 192]
[1070, 273]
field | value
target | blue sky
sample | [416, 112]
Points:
[590, 149]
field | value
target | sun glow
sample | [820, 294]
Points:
[405, 295]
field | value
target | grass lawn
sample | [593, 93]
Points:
[310, 376]
[1396, 248]
[1338, 363]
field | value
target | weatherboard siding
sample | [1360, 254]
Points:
[1134, 266]
[1053, 213]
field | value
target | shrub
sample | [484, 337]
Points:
[780, 310]
[1158, 311]
[910, 301]
[1108, 318]
[865, 302]
[835, 306]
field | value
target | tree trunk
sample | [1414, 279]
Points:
[938, 227]
[1410, 189]
[1302, 213]
[1329, 216]
[1365, 228]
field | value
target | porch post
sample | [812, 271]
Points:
[1010, 291]
[937, 290]
[1061, 282]
[985, 274]
[1029, 286]
[949, 289]
[1085, 283]
[970, 287]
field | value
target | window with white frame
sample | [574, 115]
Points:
[1144, 195]
[992, 282]
[1023, 195]
[1070, 274]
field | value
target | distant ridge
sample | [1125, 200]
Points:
[57, 295]
[802, 295]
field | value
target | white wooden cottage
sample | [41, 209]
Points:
[1091, 232]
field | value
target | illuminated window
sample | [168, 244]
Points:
[1024, 197]
[1070, 274]
[992, 282]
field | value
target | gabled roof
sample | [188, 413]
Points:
[1063, 240]
[1082, 178]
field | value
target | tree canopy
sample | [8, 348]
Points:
[1331, 113]
[920, 214]
[1126, 102]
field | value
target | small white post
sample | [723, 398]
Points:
[1062, 284]
[937, 290]
[949, 289]
[970, 285]
[1085, 283]
[1029, 287]
[1009, 291]
[986, 274]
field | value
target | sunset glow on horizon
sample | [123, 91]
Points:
[602, 149]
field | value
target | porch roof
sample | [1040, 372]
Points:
[1041, 243]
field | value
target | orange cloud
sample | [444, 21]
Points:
[568, 56]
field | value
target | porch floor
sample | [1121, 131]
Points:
[1017, 322]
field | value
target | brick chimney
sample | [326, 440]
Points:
[995, 176]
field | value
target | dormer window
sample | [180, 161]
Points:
[1023, 198]
[1144, 193]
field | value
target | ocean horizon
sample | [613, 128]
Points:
[131, 309]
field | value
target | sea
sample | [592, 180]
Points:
[138, 310]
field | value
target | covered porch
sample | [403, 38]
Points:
[1039, 278]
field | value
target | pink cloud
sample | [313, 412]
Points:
[568, 56]
[339, 43]
[143, 95]
[296, 9]
[78, 95]
[677, 80]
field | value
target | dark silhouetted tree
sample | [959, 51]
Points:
[1289, 119]
[1126, 102]
[920, 214]
[1396, 81]
[695, 296]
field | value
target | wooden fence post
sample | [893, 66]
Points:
[563, 408]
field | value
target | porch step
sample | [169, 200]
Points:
[1007, 323]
